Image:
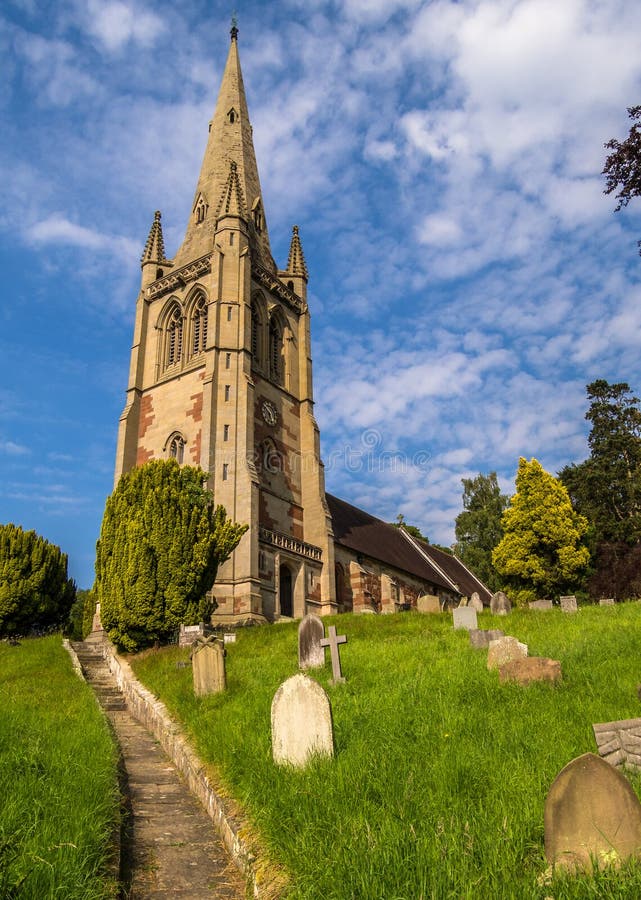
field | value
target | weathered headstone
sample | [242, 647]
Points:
[540, 604]
[332, 642]
[568, 604]
[301, 722]
[428, 603]
[476, 602]
[480, 640]
[190, 633]
[529, 669]
[500, 604]
[619, 743]
[229, 637]
[465, 617]
[208, 664]
[505, 649]
[591, 813]
[311, 655]
[606, 601]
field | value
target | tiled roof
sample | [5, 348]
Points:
[368, 536]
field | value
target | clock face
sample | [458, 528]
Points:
[269, 412]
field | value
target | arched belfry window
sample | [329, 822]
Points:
[232, 115]
[199, 326]
[200, 209]
[275, 350]
[258, 318]
[174, 336]
[175, 447]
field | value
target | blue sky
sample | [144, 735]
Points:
[468, 277]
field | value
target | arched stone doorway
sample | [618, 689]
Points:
[343, 596]
[286, 594]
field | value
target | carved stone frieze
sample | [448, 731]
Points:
[286, 542]
[180, 277]
[273, 284]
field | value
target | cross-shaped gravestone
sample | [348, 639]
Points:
[332, 642]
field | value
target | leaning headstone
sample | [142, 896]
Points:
[540, 604]
[591, 814]
[568, 604]
[310, 634]
[465, 617]
[504, 650]
[428, 603]
[619, 743]
[301, 722]
[208, 664]
[500, 604]
[609, 601]
[531, 668]
[480, 640]
[476, 602]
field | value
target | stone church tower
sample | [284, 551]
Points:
[221, 377]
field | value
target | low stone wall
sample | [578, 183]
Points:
[153, 714]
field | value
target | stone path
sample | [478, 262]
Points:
[172, 849]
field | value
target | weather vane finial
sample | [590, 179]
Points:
[234, 26]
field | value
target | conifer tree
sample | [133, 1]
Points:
[478, 528]
[541, 551]
[161, 542]
[35, 591]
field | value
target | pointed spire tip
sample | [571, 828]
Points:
[234, 28]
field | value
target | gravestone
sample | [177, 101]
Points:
[301, 722]
[332, 642]
[540, 604]
[619, 743]
[504, 650]
[609, 601]
[229, 637]
[428, 603]
[568, 604]
[476, 602]
[311, 655]
[465, 617]
[480, 640]
[529, 669]
[500, 604]
[190, 633]
[208, 664]
[591, 813]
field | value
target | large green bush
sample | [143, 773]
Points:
[161, 542]
[35, 592]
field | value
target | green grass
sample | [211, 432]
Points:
[438, 786]
[58, 789]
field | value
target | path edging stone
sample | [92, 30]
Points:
[153, 714]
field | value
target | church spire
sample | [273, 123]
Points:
[230, 141]
[296, 264]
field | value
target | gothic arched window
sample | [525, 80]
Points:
[199, 326]
[174, 336]
[176, 447]
[275, 350]
[257, 333]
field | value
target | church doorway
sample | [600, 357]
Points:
[343, 598]
[286, 595]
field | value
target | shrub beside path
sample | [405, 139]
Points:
[171, 848]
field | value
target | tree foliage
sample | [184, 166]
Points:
[622, 167]
[161, 542]
[35, 591]
[478, 528]
[541, 548]
[606, 487]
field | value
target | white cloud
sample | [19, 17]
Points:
[116, 23]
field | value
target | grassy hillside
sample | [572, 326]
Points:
[58, 789]
[440, 777]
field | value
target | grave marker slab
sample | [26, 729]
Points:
[332, 642]
[311, 653]
[619, 743]
[500, 604]
[301, 722]
[208, 664]
[530, 669]
[609, 601]
[476, 602]
[540, 604]
[428, 603]
[480, 639]
[568, 604]
[465, 617]
[591, 812]
[504, 650]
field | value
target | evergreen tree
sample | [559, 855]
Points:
[478, 528]
[161, 542]
[35, 592]
[541, 553]
[622, 168]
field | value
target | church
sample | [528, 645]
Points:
[221, 378]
